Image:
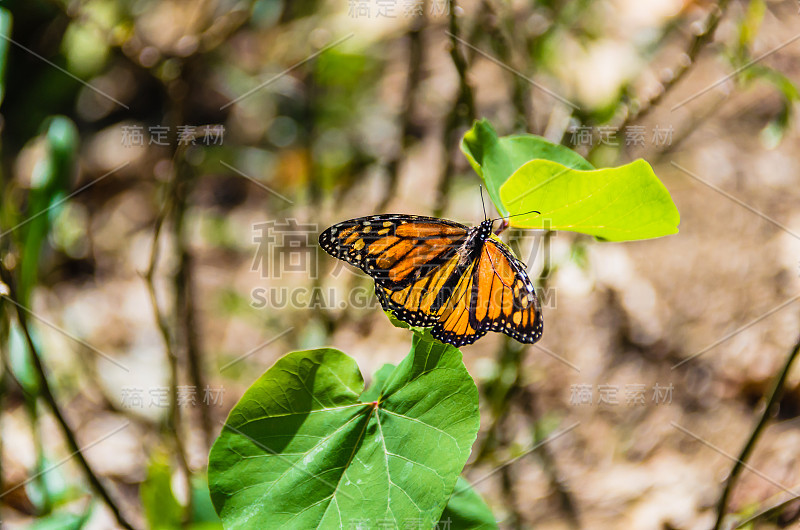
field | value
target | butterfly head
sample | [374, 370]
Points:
[485, 228]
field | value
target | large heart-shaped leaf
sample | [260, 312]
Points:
[300, 450]
[616, 204]
[496, 159]
[373, 392]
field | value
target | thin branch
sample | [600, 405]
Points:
[520, 89]
[565, 500]
[769, 410]
[49, 398]
[681, 136]
[416, 58]
[776, 509]
[465, 97]
[462, 112]
[185, 306]
[174, 412]
[696, 45]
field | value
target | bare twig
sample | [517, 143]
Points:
[465, 89]
[174, 413]
[681, 136]
[774, 510]
[185, 307]
[416, 58]
[49, 398]
[769, 410]
[520, 89]
[689, 58]
[566, 502]
[462, 112]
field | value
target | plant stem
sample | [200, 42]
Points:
[174, 415]
[773, 511]
[416, 58]
[695, 47]
[520, 89]
[462, 112]
[185, 307]
[769, 409]
[49, 398]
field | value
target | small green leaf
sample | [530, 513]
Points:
[780, 81]
[299, 450]
[496, 159]
[20, 358]
[161, 509]
[616, 204]
[62, 521]
[51, 487]
[204, 517]
[5, 32]
[466, 510]
[774, 132]
[396, 322]
[51, 180]
[751, 23]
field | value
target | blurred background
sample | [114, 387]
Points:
[167, 168]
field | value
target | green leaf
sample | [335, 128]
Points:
[161, 509]
[203, 514]
[50, 182]
[84, 44]
[51, 487]
[378, 382]
[396, 322]
[751, 23]
[774, 132]
[780, 81]
[5, 31]
[616, 204]
[496, 159]
[62, 521]
[299, 450]
[466, 510]
[20, 358]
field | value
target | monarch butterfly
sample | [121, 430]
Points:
[463, 282]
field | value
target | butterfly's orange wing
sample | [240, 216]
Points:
[395, 250]
[504, 299]
[425, 274]
[493, 292]
[455, 323]
[421, 302]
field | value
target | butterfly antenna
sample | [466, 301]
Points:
[518, 214]
[485, 217]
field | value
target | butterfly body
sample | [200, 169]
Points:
[461, 281]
